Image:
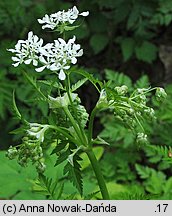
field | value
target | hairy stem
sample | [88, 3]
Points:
[98, 174]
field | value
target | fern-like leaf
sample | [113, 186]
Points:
[78, 84]
[163, 151]
[52, 84]
[97, 83]
[49, 188]
[143, 82]
[33, 82]
[144, 172]
[60, 146]
[91, 195]
[63, 156]
[74, 173]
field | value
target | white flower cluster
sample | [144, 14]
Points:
[61, 17]
[59, 55]
[27, 50]
[55, 56]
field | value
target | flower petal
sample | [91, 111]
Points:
[42, 59]
[40, 69]
[74, 60]
[30, 34]
[28, 61]
[54, 67]
[15, 59]
[35, 62]
[86, 13]
[62, 75]
[16, 64]
[40, 21]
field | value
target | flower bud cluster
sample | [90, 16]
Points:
[131, 109]
[12, 153]
[82, 115]
[160, 94]
[141, 139]
[121, 90]
[29, 150]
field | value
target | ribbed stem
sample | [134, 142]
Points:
[98, 174]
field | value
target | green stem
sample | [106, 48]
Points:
[149, 90]
[98, 174]
[60, 130]
[72, 120]
[73, 108]
[90, 126]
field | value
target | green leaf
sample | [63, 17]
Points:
[127, 46]
[100, 141]
[62, 157]
[146, 52]
[159, 153]
[20, 181]
[97, 83]
[98, 42]
[144, 172]
[33, 82]
[74, 173]
[91, 195]
[118, 79]
[143, 82]
[60, 146]
[6, 89]
[70, 28]
[78, 84]
[167, 19]
[52, 84]
[133, 16]
[46, 186]
[155, 183]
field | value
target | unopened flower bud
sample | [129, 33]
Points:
[11, 153]
[121, 90]
[160, 94]
[102, 102]
[41, 167]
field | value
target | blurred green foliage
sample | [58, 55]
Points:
[115, 33]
